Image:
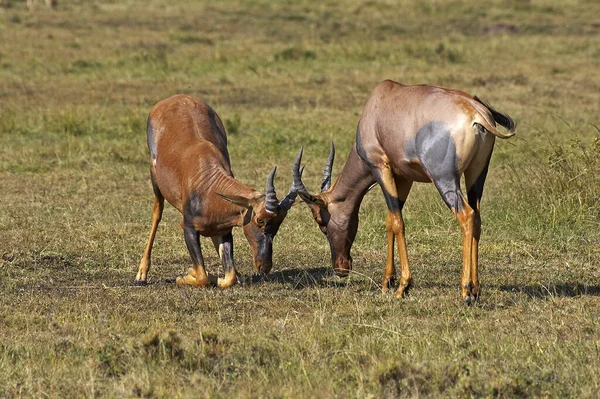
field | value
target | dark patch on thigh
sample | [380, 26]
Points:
[150, 138]
[436, 151]
[360, 149]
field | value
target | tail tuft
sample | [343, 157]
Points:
[500, 118]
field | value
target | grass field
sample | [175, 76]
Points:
[76, 85]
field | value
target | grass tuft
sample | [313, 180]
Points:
[295, 54]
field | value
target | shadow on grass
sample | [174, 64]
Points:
[569, 290]
[298, 278]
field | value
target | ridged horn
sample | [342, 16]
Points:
[297, 173]
[271, 201]
[326, 182]
[289, 199]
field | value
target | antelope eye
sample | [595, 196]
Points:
[260, 221]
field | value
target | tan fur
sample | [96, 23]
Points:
[458, 133]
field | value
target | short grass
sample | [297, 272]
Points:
[76, 84]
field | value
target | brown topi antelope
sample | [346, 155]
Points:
[190, 168]
[411, 134]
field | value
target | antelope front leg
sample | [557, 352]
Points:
[196, 275]
[389, 275]
[224, 246]
[406, 279]
[395, 190]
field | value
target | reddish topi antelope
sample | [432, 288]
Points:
[411, 134]
[190, 168]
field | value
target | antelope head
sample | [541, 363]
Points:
[330, 215]
[262, 219]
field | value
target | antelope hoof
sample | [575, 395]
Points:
[140, 283]
[230, 280]
[470, 300]
[402, 291]
[388, 283]
[470, 294]
[475, 291]
[341, 272]
[193, 280]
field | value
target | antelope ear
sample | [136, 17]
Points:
[312, 200]
[238, 200]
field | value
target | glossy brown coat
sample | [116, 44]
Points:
[190, 168]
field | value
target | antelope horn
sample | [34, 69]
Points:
[297, 173]
[271, 201]
[326, 182]
[297, 185]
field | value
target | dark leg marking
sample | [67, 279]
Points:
[192, 241]
[394, 204]
[154, 184]
[475, 192]
[192, 209]
[227, 252]
[450, 192]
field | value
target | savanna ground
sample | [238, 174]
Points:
[76, 84]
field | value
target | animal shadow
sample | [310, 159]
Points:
[297, 278]
[568, 290]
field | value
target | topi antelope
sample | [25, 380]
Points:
[190, 168]
[411, 134]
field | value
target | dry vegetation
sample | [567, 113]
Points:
[76, 84]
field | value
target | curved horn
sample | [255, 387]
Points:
[301, 189]
[326, 182]
[297, 174]
[271, 201]
[296, 186]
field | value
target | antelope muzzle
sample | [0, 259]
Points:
[263, 256]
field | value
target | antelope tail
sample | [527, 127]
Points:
[500, 118]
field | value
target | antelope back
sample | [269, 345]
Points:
[403, 125]
[179, 122]
[184, 134]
